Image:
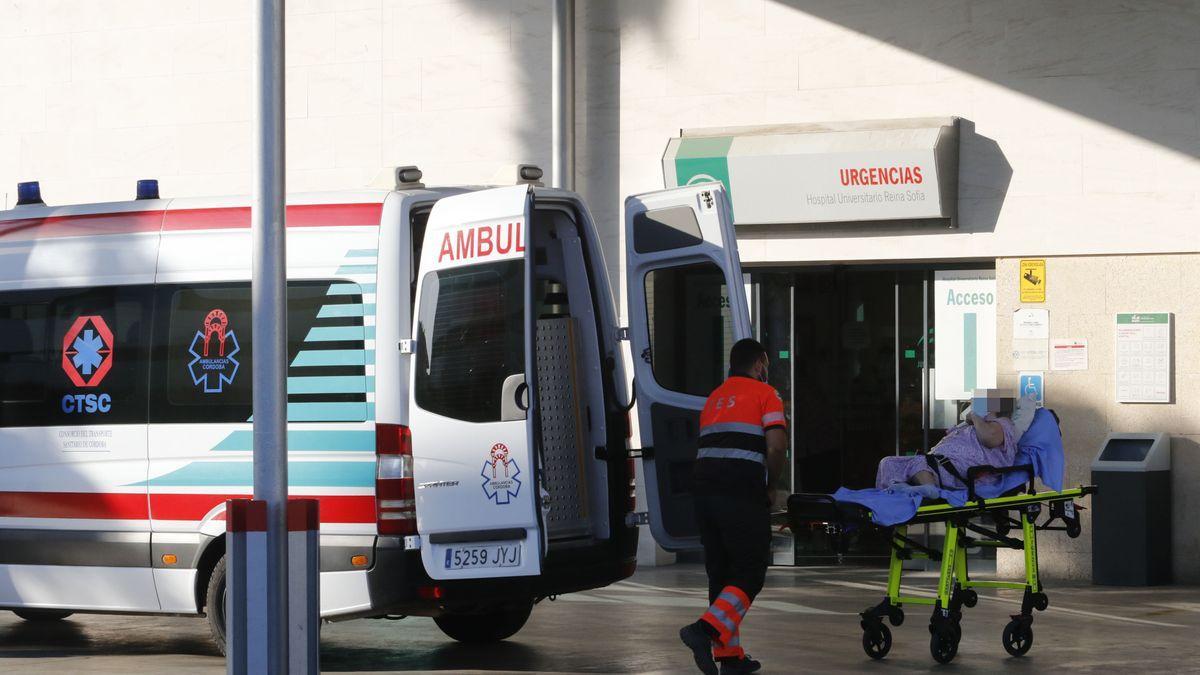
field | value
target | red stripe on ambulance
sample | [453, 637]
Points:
[136, 506]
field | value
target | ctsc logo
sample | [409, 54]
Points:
[87, 359]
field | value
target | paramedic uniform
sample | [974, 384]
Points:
[730, 487]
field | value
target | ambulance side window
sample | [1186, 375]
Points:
[691, 327]
[470, 338]
[203, 353]
[72, 357]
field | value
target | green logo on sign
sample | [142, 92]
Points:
[704, 160]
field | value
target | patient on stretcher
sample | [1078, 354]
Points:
[988, 437]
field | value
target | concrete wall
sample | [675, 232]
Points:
[1083, 296]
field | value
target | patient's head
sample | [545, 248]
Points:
[998, 402]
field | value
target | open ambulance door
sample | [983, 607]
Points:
[687, 306]
[472, 413]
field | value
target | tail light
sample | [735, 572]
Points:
[395, 497]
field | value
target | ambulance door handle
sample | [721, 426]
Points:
[514, 398]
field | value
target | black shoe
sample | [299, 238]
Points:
[695, 638]
[740, 666]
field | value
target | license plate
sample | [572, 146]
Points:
[477, 557]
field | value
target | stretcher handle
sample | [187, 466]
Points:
[974, 472]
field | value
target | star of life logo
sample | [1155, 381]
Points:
[87, 351]
[213, 351]
[500, 482]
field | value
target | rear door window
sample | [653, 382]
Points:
[471, 338]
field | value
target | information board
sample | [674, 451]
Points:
[1144, 356]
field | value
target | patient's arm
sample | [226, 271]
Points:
[991, 434]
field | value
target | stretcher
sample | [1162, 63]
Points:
[978, 522]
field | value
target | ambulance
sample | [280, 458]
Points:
[457, 396]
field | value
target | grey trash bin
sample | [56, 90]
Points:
[1131, 510]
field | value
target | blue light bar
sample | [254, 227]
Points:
[147, 188]
[29, 193]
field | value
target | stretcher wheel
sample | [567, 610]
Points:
[970, 598]
[1073, 530]
[1040, 602]
[943, 643]
[895, 615]
[877, 641]
[1018, 637]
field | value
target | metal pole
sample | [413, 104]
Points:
[269, 296]
[562, 95]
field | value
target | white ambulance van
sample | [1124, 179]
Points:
[456, 396]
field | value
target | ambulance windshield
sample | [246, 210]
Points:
[470, 338]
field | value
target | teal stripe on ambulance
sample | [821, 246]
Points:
[350, 289]
[340, 333]
[362, 253]
[356, 269]
[334, 357]
[349, 310]
[300, 474]
[306, 440]
[339, 384]
[331, 411]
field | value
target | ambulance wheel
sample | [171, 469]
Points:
[943, 643]
[877, 641]
[493, 626]
[214, 604]
[42, 615]
[1018, 638]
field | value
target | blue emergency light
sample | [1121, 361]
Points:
[29, 193]
[147, 188]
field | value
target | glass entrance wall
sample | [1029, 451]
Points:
[851, 352]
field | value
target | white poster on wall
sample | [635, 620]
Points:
[965, 321]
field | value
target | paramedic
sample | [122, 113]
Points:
[743, 440]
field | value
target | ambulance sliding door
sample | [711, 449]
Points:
[473, 411]
[687, 306]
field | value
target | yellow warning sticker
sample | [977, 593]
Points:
[1033, 280]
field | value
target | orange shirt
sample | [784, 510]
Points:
[732, 452]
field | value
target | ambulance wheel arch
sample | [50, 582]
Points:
[687, 305]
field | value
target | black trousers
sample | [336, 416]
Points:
[736, 535]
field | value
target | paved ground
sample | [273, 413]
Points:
[805, 621]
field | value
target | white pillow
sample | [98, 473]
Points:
[1023, 414]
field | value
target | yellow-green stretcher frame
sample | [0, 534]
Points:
[955, 587]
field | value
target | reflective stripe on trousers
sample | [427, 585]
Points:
[725, 614]
[731, 453]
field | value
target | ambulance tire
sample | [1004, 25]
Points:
[481, 628]
[42, 615]
[214, 604]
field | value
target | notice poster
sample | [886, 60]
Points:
[1144, 358]
[965, 316]
[1069, 354]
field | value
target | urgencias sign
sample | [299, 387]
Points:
[826, 173]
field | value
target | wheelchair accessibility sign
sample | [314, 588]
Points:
[1032, 384]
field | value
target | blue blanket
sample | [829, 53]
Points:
[1040, 446]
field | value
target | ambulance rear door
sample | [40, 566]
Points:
[687, 306]
[473, 444]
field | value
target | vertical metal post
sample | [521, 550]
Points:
[562, 95]
[896, 356]
[269, 296]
